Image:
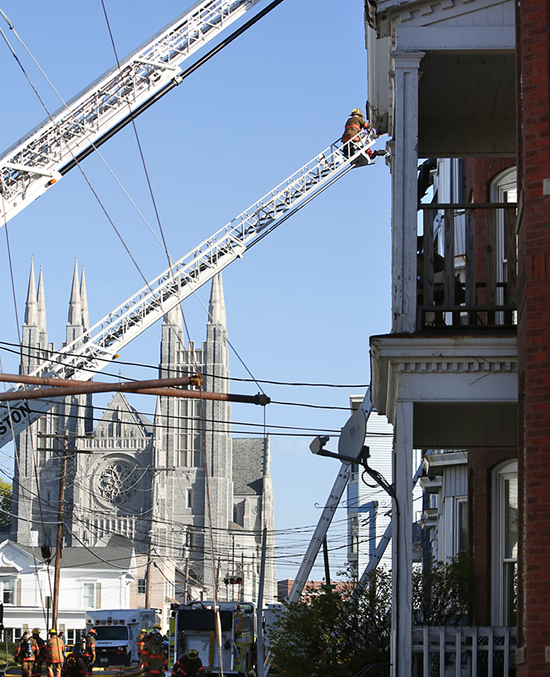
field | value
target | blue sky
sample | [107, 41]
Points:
[302, 304]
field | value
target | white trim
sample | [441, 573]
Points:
[505, 471]
[455, 37]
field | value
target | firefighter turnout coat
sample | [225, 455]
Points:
[152, 657]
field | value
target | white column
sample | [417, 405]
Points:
[404, 189]
[401, 637]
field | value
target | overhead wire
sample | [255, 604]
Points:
[293, 404]
[177, 369]
[86, 133]
[83, 173]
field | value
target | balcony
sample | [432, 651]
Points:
[467, 267]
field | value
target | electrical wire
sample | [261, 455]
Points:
[176, 371]
[83, 173]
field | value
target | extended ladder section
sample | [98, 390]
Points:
[93, 350]
[325, 520]
[37, 161]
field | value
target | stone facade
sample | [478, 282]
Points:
[180, 489]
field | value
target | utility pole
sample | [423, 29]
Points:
[66, 437]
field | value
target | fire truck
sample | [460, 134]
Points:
[193, 626]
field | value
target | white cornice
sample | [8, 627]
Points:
[428, 363]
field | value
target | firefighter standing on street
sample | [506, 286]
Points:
[88, 651]
[37, 668]
[140, 641]
[152, 656]
[54, 654]
[27, 653]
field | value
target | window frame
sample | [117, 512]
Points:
[501, 612]
[11, 592]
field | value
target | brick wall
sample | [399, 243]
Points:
[534, 339]
[481, 464]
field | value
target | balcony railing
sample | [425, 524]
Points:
[467, 268]
[463, 651]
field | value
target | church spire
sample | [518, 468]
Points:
[41, 304]
[216, 308]
[31, 310]
[84, 301]
[174, 317]
[75, 306]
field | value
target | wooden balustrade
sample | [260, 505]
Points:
[470, 294]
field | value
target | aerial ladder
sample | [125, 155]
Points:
[41, 158]
[97, 347]
[350, 447]
[351, 441]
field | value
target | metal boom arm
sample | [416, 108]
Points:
[42, 157]
[91, 351]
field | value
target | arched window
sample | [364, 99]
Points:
[505, 544]
[503, 189]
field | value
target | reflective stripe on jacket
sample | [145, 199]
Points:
[152, 658]
[353, 126]
[27, 650]
[54, 650]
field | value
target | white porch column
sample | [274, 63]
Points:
[401, 637]
[404, 189]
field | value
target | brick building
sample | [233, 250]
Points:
[467, 364]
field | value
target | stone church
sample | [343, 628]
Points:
[146, 483]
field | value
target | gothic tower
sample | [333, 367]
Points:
[179, 488]
[39, 449]
[186, 505]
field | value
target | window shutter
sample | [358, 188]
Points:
[98, 595]
[18, 594]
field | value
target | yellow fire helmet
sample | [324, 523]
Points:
[356, 111]
[36, 631]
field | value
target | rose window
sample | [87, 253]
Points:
[118, 483]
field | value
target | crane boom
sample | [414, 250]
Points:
[94, 349]
[41, 158]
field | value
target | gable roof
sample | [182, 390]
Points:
[120, 410]
[103, 558]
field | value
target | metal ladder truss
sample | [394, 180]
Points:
[325, 520]
[34, 163]
[94, 349]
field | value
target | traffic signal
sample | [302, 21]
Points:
[233, 580]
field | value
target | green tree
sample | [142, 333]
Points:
[444, 593]
[6, 501]
[347, 633]
[328, 633]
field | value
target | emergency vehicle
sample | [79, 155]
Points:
[193, 626]
[116, 634]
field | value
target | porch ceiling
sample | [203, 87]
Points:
[461, 425]
[467, 104]
[464, 388]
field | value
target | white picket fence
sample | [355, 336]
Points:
[463, 651]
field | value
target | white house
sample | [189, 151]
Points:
[91, 578]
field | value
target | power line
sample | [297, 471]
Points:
[18, 348]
